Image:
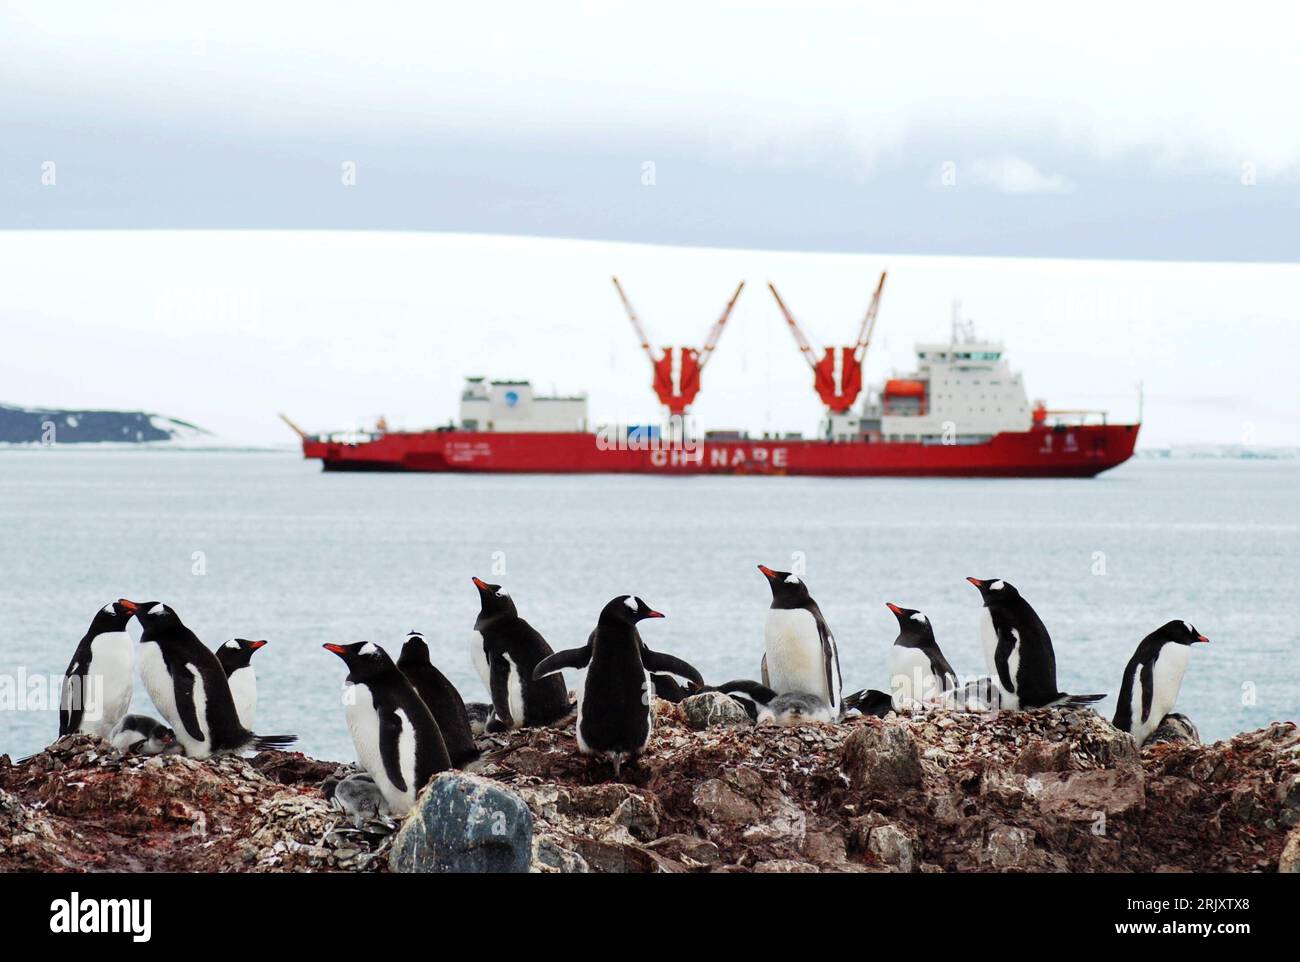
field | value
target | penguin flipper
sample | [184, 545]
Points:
[184, 685]
[499, 670]
[390, 736]
[1074, 701]
[576, 658]
[668, 664]
[1002, 658]
[1148, 687]
[71, 704]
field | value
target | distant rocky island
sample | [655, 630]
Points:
[49, 426]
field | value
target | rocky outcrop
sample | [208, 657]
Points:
[1036, 791]
[49, 426]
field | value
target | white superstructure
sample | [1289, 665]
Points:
[511, 406]
[962, 390]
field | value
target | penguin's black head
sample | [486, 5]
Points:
[155, 616]
[788, 590]
[1179, 632]
[237, 653]
[995, 591]
[113, 616]
[364, 659]
[415, 651]
[628, 609]
[912, 624]
[494, 600]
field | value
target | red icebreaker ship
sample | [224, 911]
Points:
[961, 413]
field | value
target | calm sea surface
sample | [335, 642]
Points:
[266, 546]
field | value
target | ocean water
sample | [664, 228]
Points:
[263, 545]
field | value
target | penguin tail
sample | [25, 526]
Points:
[1074, 701]
[264, 743]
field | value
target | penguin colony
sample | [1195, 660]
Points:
[408, 722]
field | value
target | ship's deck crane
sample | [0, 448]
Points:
[677, 371]
[837, 377]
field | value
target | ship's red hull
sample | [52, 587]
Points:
[1078, 451]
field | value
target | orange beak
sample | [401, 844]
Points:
[1203, 638]
[337, 649]
[767, 571]
[976, 582]
[480, 584]
[893, 607]
[130, 606]
[655, 614]
[256, 644]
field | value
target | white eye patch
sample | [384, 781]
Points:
[232, 643]
[369, 648]
[108, 608]
[158, 609]
[631, 602]
[997, 586]
[415, 634]
[502, 593]
[1190, 629]
[792, 579]
[921, 618]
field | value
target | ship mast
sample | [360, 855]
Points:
[677, 370]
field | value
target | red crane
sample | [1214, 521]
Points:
[838, 388]
[677, 388]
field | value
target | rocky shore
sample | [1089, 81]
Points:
[1044, 791]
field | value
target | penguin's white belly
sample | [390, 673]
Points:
[989, 639]
[515, 692]
[105, 691]
[1167, 679]
[363, 723]
[243, 689]
[795, 660]
[911, 679]
[162, 691]
[479, 658]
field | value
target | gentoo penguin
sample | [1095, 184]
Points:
[189, 689]
[357, 797]
[1175, 729]
[869, 701]
[479, 714]
[143, 735]
[752, 696]
[1018, 650]
[918, 671]
[236, 657]
[793, 708]
[396, 738]
[800, 652]
[505, 650]
[97, 686]
[440, 697]
[615, 699]
[766, 707]
[669, 688]
[1152, 678]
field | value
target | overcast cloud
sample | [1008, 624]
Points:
[1115, 130]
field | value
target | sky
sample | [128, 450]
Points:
[1120, 130]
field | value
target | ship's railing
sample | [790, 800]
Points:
[1069, 417]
